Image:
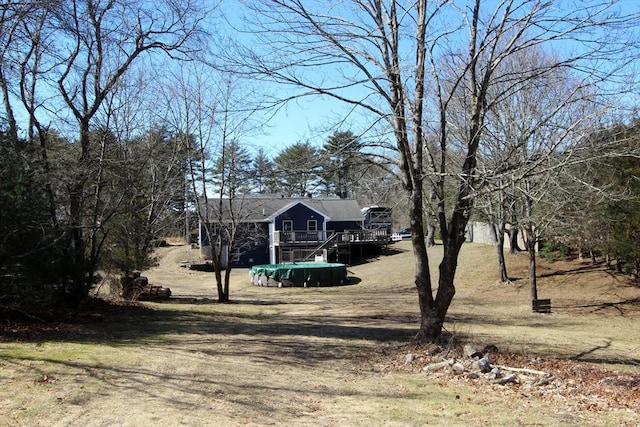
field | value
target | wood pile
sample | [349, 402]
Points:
[136, 287]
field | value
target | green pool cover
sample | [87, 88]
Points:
[299, 274]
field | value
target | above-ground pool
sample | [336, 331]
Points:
[299, 274]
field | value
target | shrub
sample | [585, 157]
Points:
[554, 251]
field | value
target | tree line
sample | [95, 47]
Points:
[342, 167]
[143, 193]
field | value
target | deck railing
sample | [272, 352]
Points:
[280, 237]
[359, 236]
[317, 237]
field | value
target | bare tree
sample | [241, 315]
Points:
[9, 21]
[211, 114]
[523, 130]
[406, 64]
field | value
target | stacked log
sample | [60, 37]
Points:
[136, 287]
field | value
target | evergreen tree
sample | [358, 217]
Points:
[232, 170]
[31, 258]
[145, 193]
[297, 169]
[261, 175]
[342, 164]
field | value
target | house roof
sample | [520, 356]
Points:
[265, 209]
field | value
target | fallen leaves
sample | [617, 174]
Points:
[46, 379]
[18, 325]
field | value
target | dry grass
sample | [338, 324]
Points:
[594, 311]
[320, 356]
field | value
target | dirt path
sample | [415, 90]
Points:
[171, 272]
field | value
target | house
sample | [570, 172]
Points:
[274, 230]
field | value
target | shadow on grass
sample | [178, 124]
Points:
[367, 259]
[202, 337]
[620, 306]
[578, 270]
[277, 326]
[534, 320]
[581, 355]
[309, 338]
[590, 357]
[180, 389]
[609, 360]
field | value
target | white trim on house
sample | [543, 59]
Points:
[272, 247]
[273, 216]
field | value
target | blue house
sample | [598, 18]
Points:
[272, 230]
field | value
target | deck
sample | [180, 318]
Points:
[296, 246]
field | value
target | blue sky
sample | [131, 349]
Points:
[314, 119]
[299, 121]
[308, 119]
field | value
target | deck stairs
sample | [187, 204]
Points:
[330, 245]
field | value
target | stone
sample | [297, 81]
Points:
[433, 350]
[470, 351]
[509, 378]
[458, 368]
[483, 365]
[409, 358]
[438, 366]
[495, 373]
[490, 348]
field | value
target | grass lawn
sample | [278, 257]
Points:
[333, 356]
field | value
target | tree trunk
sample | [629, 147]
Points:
[635, 274]
[76, 191]
[185, 209]
[499, 239]
[433, 311]
[223, 289]
[12, 130]
[431, 221]
[216, 259]
[44, 156]
[431, 315]
[227, 276]
[531, 248]
[431, 235]
[77, 245]
[514, 248]
[222, 296]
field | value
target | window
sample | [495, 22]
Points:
[312, 225]
[287, 225]
[286, 255]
